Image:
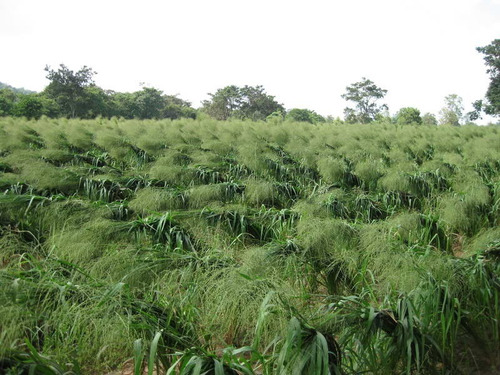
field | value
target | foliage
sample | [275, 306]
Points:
[7, 99]
[16, 90]
[429, 119]
[74, 94]
[68, 89]
[408, 115]
[177, 108]
[29, 106]
[491, 54]
[148, 103]
[304, 115]
[247, 102]
[365, 94]
[452, 112]
[307, 351]
[187, 246]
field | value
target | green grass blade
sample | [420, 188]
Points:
[152, 353]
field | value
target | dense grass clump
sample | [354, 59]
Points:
[197, 246]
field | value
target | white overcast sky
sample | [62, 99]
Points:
[303, 52]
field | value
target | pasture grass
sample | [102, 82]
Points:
[258, 247]
[156, 199]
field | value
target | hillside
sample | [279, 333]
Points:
[15, 89]
[318, 248]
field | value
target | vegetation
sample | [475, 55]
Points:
[452, 112]
[304, 115]
[75, 95]
[246, 102]
[365, 94]
[239, 247]
[71, 91]
[409, 115]
[491, 104]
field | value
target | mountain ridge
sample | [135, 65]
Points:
[18, 90]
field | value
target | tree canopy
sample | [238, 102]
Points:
[75, 94]
[408, 115]
[69, 89]
[304, 115]
[452, 112]
[365, 95]
[150, 103]
[30, 106]
[248, 102]
[429, 119]
[491, 105]
[7, 99]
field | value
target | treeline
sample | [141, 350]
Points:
[75, 95]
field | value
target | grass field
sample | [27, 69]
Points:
[197, 246]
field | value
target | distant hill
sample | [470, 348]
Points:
[21, 90]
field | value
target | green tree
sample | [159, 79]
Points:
[255, 104]
[304, 115]
[68, 89]
[7, 100]
[30, 106]
[121, 104]
[224, 103]
[276, 117]
[491, 105]
[452, 112]
[429, 119]
[476, 113]
[97, 102]
[148, 103]
[365, 94]
[16, 90]
[176, 108]
[408, 115]
[246, 102]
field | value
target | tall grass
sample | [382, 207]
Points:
[190, 246]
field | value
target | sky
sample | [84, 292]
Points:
[303, 53]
